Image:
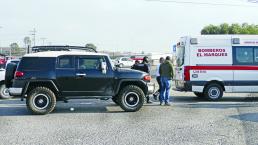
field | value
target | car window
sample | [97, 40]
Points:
[90, 63]
[66, 62]
[37, 63]
[124, 59]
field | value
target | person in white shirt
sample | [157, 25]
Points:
[156, 94]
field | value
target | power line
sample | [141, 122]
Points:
[200, 3]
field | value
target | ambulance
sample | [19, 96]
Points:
[210, 65]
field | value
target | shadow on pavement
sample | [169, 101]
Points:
[193, 99]
[219, 106]
[14, 111]
[97, 108]
[21, 109]
[252, 117]
[224, 103]
[14, 108]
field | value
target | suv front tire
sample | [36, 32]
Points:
[131, 98]
[41, 100]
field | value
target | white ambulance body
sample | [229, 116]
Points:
[209, 65]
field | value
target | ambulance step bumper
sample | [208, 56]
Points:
[187, 87]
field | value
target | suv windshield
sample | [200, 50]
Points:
[180, 52]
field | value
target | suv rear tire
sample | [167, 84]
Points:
[213, 92]
[131, 98]
[41, 100]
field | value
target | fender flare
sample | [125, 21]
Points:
[38, 81]
[131, 80]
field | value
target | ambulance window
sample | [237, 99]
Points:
[256, 55]
[244, 55]
[180, 52]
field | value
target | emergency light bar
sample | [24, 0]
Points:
[194, 41]
[236, 40]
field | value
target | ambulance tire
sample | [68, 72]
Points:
[213, 92]
[199, 94]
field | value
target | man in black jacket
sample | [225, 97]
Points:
[145, 67]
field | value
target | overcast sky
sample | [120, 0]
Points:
[121, 25]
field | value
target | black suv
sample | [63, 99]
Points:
[44, 78]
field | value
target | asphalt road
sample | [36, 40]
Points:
[233, 120]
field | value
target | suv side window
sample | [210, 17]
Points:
[66, 62]
[37, 63]
[90, 63]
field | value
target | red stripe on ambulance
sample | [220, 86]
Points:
[188, 68]
[221, 67]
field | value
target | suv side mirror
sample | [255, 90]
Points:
[104, 67]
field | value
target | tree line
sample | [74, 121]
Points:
[235, 28]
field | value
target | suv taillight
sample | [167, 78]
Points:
[187, 73]
[147, 78]
[19, 74]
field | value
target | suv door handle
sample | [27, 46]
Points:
[80, 74]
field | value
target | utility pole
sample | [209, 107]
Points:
[43, 40]
[33, 33]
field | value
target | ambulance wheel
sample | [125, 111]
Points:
[199, 94]
[213, 92]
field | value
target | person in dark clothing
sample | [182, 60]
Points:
[166, 74]
[136, 65]
[146, 64]
[157, 93]
[145, 67]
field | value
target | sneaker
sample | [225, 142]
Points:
[149, 102]
[155, 97]
[167, 104]
[161, 103]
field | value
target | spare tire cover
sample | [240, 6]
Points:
[9, 74]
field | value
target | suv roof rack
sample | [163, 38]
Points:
[61, 48]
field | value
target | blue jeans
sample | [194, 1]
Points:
[165, 89]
